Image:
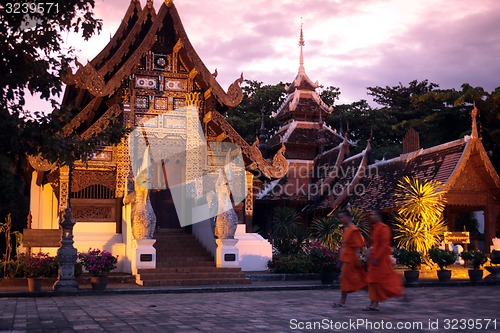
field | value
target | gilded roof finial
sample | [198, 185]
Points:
[474, 113]
[149, 3]
[301, 44]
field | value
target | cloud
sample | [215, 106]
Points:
[349, 44]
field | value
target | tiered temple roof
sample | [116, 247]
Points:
[151, 43]
[301, 115]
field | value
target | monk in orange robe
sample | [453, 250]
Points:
[352, 274]
[383, 281]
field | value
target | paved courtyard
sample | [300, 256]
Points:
[431, 309]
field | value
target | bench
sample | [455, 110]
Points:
[41, 238]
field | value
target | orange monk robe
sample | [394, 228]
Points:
[352, 275]
[383, 281]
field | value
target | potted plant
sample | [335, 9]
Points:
[477, 258]
[98, 263]
[443, 258]
[325, 261]
[412, 260]
[35, 268]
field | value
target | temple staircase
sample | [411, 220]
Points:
[182, 261]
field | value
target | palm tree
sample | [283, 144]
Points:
[327, 231]
[419, 223]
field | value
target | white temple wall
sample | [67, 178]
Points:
[203, 232]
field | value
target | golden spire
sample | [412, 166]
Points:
[301, 44]
[474, 113]
[149, 3]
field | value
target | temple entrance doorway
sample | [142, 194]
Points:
[164, 208]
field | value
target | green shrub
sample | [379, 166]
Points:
[292, 263]
[410, 259]
[477, 258]
[442, 258]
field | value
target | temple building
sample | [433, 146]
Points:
[150, 77]
[125, 199]
[323, 176]
[462, 166]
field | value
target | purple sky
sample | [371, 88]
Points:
[349, 44]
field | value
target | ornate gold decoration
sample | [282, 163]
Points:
[178, 46]
[169, 3]
[472, 147]
[122, 167]
[277, 169]
[88, 78]
[80, 118]
[234, 93]
[92, 214]
[161, 103]
[40, 164]
[474, 113]
[249, 196]
[102, 122]
[63, 187]
[126, 96]
[193, 99]
[82, 179]
[195, 151]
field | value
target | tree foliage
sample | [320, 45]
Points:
[32, 60]
[259, 101]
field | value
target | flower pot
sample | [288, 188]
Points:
[35, 285]
[475, 275]
[412, 276]
[444, 275]
[328, 277]
[99, 282]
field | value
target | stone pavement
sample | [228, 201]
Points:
[436, 308]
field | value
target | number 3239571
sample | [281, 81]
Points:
[470, 324]
[31, 7]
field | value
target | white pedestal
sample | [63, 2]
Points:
[143, 254]
[254, 251]
[227, 253]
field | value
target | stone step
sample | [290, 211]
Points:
[194, 253]
[170, 264]
[194, 282]
[189, 250]
[191, 276]
[188, 269]
[164, 258]
[182, 261]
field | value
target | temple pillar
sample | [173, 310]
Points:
[249, 202]
[63, 187]
[195, 154]
[490, 220]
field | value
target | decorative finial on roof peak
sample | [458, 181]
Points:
[168, 3]
[301, 38]
[301, 44]
[149, 3]
[474, 113]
